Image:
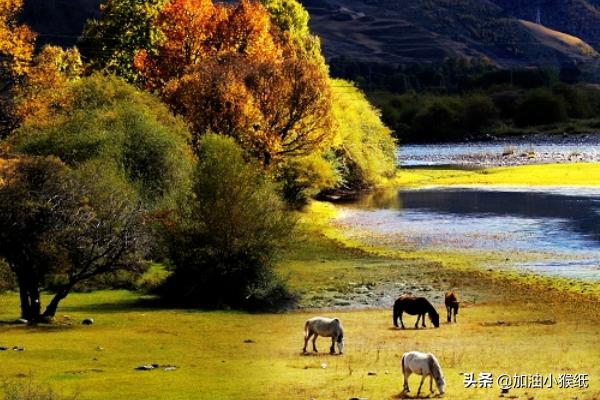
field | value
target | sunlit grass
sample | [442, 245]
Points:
[512, 323]
[215, 362]
[581, 174]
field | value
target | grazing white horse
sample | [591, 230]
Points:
[326, 327]
[424, 364]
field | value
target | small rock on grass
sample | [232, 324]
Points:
[147, 367]
[371, 373]
[249, 341]
[150, 367]
[88, 321]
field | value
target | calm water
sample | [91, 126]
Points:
[564, 223]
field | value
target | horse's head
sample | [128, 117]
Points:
[434, 317]
[441, 384]
[340, 343]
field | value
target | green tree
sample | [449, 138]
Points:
[58, 228]
[364, 145]
[130, 132]
[123, 27]
[541, 107]
[228, 234]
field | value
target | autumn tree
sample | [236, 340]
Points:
[59, 228]
[228, 69]
[44, 89]
[16, 51]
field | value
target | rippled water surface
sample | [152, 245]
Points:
[561, 223]
[499, 153]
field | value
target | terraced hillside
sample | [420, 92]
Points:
[400, 31]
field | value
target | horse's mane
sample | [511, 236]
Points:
[434, 366]
[431, 308]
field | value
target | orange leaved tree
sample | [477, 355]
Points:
[229, 70]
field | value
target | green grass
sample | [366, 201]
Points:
[215, 363]
[508, 323]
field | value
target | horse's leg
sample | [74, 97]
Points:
[449, 313]
[455, 312]
[332, 348]
[431, 383]
[422, 380]
[423, 320]
[401, 322]
[406, 375]
[315, 342]
[306, 339]
[417, 323]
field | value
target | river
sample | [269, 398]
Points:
[560, 223]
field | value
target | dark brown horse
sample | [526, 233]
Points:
[415, 306]
[451, 301]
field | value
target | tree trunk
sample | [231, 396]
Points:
[24, 296]
[35, 305]
[50, 311]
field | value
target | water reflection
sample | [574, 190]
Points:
[565, 225]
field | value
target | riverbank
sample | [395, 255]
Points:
[511, 151]
[509, 323]
[226, 354]
[559, 175]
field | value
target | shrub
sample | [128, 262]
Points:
[541, 107]
[439, 120]
[365, 148]
[127, 131]
[479, 112]
[228, 234]
[304, 177]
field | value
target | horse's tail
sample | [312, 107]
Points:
[403, 356]
[306, 330]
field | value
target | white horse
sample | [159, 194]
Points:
[326, 327]
[424, 364]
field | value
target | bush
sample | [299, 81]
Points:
[479, 113]
[228, 234]
[28, 390]
[440, 120]
[365, 148]
[127, 131]
[541, 107]
[304, 177]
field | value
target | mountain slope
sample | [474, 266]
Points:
[397, 31]
[579, 18]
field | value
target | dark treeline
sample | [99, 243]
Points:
[461, 99]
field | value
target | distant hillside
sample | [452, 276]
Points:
[398, 31]
[579, 18]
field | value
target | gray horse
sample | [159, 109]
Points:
[424, 364]
[326, 327]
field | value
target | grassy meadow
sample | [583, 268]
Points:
[508, 323]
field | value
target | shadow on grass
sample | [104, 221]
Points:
[146, 303]
[404, 395]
